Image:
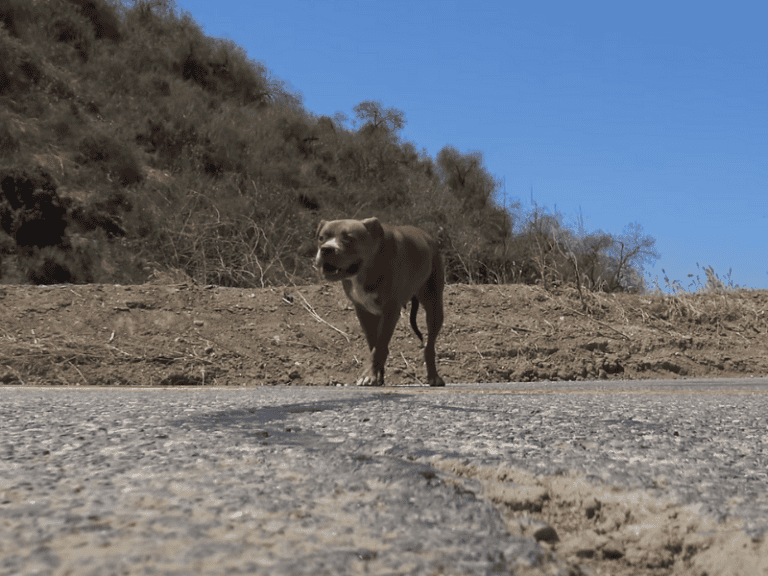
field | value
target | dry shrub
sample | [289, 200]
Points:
[112, 156]
[227, 237]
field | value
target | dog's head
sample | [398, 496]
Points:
[344, 247]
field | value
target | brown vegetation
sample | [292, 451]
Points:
[132, 143]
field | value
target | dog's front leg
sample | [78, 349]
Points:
[378, 332]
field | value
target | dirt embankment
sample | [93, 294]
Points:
[166, 334]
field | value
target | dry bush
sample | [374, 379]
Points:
[229, 238]
[707, 302]
[116, 159]
[9, 142]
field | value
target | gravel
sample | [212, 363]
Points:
[339, 480]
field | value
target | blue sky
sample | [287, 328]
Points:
[650, 112]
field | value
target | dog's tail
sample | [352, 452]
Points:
[414, 310]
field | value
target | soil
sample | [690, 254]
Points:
[171, 332]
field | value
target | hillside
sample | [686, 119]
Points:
[131, 142]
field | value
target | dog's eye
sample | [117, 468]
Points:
[346, 236]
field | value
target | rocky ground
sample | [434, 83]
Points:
[169, 333]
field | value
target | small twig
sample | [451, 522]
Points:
[118, 349]
[295, 343]
[16, 373]
[497, 324]
[667, 332]
[317, 317]
[85, 381]
[601, 323]
[194, 356]
[413, 372]
[478, 352]
[75, 356]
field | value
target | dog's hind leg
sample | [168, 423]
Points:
[434, 323]
[432, 300]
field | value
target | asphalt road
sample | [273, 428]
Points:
[294, 480]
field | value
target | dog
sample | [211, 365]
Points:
[382, 268]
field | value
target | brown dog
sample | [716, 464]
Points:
[381, 268]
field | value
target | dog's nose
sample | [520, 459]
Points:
[327, 250]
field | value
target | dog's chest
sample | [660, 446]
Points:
[368, 299]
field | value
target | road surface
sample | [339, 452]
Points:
[297, 480]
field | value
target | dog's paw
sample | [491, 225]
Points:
[436, 381]
[371, 378]
[368, 381]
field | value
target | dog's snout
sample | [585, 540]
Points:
[329, 247]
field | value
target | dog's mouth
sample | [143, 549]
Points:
[331, 272]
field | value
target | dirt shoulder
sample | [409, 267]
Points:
[186, 334]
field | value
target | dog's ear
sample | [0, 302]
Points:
[374, 227]
[320, 227]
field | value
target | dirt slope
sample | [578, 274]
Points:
[169, 334]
